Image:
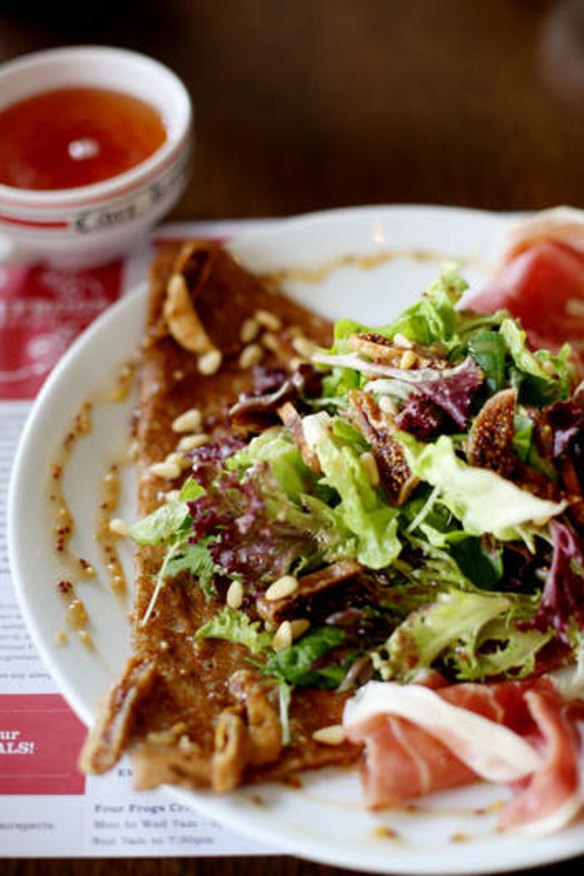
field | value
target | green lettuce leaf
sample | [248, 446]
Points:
[473, 633]
[235, 626]
[433, 318]
[343, 329]
[295, 664]
[276, 448]
[484, 568]
[487, 348]
[540, 377]
[295, 500]
[168, 522]
[190, 490]
[363, 509]
[197, 561]
[483, 501]
[328, 539]
[162, 526]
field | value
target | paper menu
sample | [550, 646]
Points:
[46, 807]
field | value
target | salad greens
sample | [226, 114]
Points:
[235, 626]
[456, 526]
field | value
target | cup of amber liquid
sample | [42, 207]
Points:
[95, 148]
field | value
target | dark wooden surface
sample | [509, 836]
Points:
[310, 104]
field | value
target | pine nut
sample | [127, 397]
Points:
[250, 356]
[548, 367]
[118, 526]
[234, 598]
[268, 320]
[332, 735]
[166, 470]
[271, 342]
[191, 442]
[408, 360]
[249, 330]
[178, 459]
[370, 465]
[184, 743]
[285, 586]
[387, 405]
[189, 421]
[299, 627]
[209, 363]
[403, 342]
[283, 636]
[303, 346]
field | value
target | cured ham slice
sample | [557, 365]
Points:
[541, 280]
[402, 762]
[563, 225]
[552, 797]
[418, 740]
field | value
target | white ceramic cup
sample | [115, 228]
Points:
[92, 224]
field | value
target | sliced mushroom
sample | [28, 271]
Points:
[116, 718]
[195, 262]
[309, 586]
[182, 319]
[262, 407]
[261, 410]
[154, 764]
[381, 349]
[293, 422]
[231, 753]
[263, 723]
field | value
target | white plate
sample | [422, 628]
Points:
[323, 819]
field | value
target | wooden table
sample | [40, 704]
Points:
[311, 104]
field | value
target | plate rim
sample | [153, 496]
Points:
[456, 860]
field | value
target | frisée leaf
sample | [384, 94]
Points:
[456, 627]
[235, 626]
[162, 525]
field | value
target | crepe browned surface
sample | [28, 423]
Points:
[196, 712]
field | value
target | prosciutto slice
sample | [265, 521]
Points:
[541, 280]
[418, 740]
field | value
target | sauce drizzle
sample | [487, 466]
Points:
[318, 273]
[63, 523]
[74, 568]
[104, 536]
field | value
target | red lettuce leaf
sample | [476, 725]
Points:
[562, 600]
